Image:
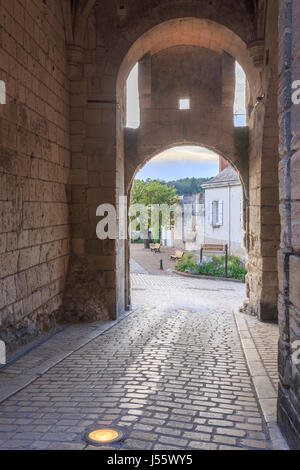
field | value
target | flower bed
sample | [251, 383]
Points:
[213, 266]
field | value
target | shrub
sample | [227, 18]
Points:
[186, 264]
[137, 240]
[213, 266]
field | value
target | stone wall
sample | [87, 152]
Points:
[105, 156]
[289, 254]
[40, 196]
[34, 168]
[208, 80]
[263, 233]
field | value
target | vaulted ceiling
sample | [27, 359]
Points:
[244, 17]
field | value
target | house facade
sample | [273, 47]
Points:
[224, 211]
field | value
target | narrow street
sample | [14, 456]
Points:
[172, 375]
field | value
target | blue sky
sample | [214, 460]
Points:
[181, 162]
[184, 161]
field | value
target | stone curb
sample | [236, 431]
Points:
[211, 278]
[18, 382]
[265, 391]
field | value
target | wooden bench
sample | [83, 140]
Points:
[210, 247]
[178, 255]
[155, 247]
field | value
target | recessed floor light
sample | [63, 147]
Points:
[104, 436]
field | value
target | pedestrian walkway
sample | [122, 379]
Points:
[150, 261]
[172, 375]
[265, 337]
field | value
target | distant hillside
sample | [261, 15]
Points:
[186, 186]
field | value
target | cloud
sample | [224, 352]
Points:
[184, 155]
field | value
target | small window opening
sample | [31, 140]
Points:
[133, 99]
[240, 112]
[184, 103]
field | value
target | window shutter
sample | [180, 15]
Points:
[220, 214]
[210, 212]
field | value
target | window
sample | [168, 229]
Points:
[184, 103]
[133, 99]
[240, 114]
[216, 213]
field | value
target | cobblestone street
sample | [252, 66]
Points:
[172, 375]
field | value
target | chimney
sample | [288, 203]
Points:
[222, 164]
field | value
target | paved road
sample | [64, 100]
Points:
[172, 375]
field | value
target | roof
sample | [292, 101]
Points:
[229, 175]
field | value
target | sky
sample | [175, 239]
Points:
[184, 161]
[181, 162]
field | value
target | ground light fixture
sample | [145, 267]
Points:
[104, 436]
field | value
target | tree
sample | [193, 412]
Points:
[152, 193]
[184, 186]
[188, 186]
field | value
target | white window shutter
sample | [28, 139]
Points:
[210, 212]
[220, 214]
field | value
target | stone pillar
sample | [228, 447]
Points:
[91, 283]
[264, 221]
[289, 254]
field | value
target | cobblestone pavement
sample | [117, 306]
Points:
[172, 375]
[150, 261]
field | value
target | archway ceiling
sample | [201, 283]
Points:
[114, 17]
[193, 32]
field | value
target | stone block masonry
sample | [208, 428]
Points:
[289, 255]
[65, 149]
[34, 168]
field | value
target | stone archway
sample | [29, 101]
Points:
[102, 83]
[207, 123]
[193, 32]
[129, 180]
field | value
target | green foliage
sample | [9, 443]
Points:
[153, 192]
[138, 240]
[188, 186]
[184, 186]
[213, 266]
[186, 264]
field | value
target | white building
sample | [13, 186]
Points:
[188, 232]
[224, 211]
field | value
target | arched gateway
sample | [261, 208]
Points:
[65, 150]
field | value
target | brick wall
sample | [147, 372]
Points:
[34, 167]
